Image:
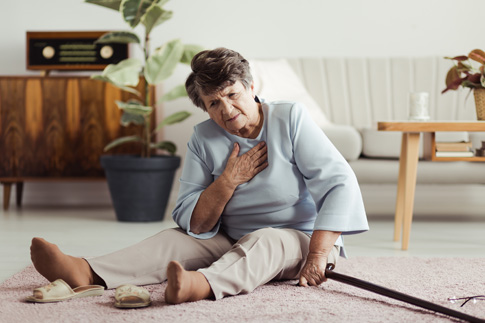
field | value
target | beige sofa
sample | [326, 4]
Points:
[358, 92]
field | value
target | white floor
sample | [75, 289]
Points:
[95, 231]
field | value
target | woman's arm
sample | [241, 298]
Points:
[321, 243]
[213, 200]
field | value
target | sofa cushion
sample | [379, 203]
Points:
[383, 144]
[387, 144]
[275, 80]
[346, 139]
[386, 171]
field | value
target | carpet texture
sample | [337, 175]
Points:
[432, 279]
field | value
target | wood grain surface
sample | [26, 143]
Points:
[58, 126]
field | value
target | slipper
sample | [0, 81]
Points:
[131, 296]
[59, 291]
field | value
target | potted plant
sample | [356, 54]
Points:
[140, 185]
[466, 73]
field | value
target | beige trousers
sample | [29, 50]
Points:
[230, 267]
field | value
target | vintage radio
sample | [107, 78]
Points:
[72, 50]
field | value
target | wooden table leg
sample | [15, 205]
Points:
[400, 189]
[6, 195]
[20, 188]
[411, 168]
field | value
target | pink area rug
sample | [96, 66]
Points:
[432, 279]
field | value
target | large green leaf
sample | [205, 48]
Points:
[130, 118]
[190, 51]
[122, 140]
[161, 64]
[107, 80]
[177, 92]
[125, 73]
[154, 16]
[165, 145]
[111, 4]
[171, 119]
[175, 118]
[133, 10]
[134, 108]
[120, 37]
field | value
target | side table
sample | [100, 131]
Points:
[408, 163]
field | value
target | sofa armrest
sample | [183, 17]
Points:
[346, 139]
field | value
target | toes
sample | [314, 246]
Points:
[36, 242]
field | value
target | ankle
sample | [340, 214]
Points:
[96, 280]
[92, 277]
[201, 286]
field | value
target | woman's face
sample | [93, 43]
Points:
[235, 110]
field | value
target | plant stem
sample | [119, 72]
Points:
[148, 102]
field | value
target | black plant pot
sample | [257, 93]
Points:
[140, 187]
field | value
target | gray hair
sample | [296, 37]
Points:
[213, 70]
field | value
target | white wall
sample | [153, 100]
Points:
[257, 29]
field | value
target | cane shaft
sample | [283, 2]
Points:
[399, 296]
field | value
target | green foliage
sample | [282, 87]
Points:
[162, 63]
[155, 16]
[111, 4]
[172, 119]
[165, 145]
[155, 68]
[177, 92]
[122, 37]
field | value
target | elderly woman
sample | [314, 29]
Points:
[264, 195]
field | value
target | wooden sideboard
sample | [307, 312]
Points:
[55, 128]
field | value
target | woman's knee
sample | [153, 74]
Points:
[264, 233]
[286, 238]
[168, 238]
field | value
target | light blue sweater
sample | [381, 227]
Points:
[307, 185]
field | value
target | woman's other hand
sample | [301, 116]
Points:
[313, 273]
[241, 169]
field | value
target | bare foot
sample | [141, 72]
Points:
[185, 286]
[51, 263]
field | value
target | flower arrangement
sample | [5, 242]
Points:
[465, 71]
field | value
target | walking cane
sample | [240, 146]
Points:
[329, 273]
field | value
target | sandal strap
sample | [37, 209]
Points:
[131, 290]
[57, 288]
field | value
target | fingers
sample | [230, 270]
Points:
[261, 167]
[306, 281]
[309, 281]
[235, 150]
[241, 169]
[312, 275]
[303, 281]
[258, 154]
[259, 150]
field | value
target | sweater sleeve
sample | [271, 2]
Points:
[328, 177]
[196, 177]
